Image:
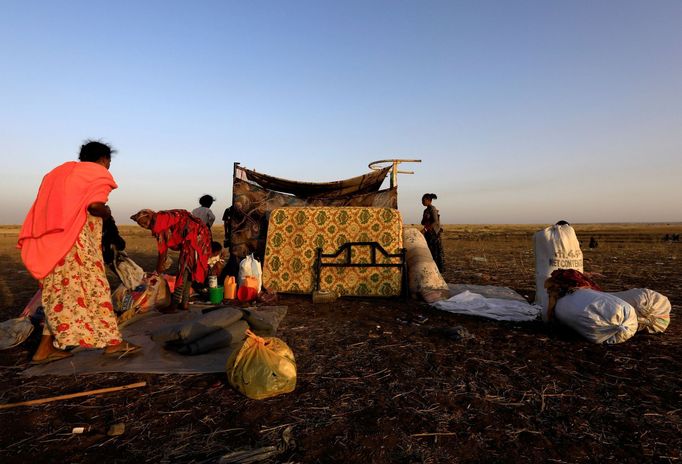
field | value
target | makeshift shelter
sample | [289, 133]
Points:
[255, 195]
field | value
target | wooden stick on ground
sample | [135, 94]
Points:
[73, 395]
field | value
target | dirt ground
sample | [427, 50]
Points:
[388, 381]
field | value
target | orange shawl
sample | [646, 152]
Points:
[59, 213]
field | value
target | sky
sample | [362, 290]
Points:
[521, 111]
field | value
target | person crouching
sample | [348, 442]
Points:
[178, 230]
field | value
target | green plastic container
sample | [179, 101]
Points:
[215, 295]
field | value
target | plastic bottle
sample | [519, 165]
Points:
[230, 288]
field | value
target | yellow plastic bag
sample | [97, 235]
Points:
[262, 368]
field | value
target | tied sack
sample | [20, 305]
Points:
[599, 317]
[555, 247]
[250, 267]
[262, 368]
[652, 308]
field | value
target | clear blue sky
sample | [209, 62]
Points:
[522, 111]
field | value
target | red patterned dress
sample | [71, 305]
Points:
[76, 295]
[178, 230]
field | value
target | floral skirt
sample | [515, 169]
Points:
[77, 297]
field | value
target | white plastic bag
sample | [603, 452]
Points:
[653, 309]
[128, 271]
[599, 317]
[555, 247]
[250, 266]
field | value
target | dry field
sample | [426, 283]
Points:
[378, 383]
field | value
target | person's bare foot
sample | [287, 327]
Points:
[122, 349]
[46, 351]
[55, 355]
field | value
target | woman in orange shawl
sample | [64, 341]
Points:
[60, 244]
[178, 230]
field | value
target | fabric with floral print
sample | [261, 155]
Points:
[295, 233]
[77, 297]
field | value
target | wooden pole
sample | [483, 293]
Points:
[73, 395]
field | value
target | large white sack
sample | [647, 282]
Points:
[653, 309]
[424, 277]
[555, 247]
[599, 317]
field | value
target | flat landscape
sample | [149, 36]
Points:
[388, 381]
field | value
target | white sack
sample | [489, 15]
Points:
[128, 271]
[652, 308]
[424, 277]
[555, 247]
[473, 304]
[250, 266]
[599, 317]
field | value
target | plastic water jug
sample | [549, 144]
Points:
[230, 288]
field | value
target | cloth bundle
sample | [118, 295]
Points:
[220, 328]
[424, 277]
[152, 293]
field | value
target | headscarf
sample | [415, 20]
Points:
[143, 213]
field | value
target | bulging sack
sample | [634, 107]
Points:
[556, 247]
[262, 368]
[652, 308]
[250, 267]
[599, 317]
[153, 293]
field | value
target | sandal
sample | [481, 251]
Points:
[54, 356]
[126, 349]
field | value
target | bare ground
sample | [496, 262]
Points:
[377, 383]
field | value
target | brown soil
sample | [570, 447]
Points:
[378, 383]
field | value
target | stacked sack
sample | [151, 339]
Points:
[577, 302]
[652, 308]
[556, 247]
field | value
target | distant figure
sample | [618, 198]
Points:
[61, 246]
[432, 230]
[204, 212]
[178, 230]
[593, 243]
[227, 226]
[676, 237]
[666, 238]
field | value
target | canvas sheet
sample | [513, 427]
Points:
[366, 183]
[295, 234]
[153, 360]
